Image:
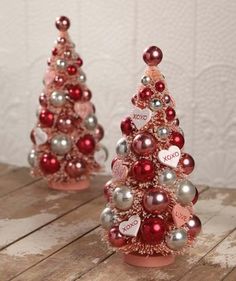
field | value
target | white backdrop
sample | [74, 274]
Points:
[198, 39]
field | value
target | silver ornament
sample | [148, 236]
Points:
[176, 239]
[163, 132]
[61, 144]
[185, 191]
[57, 98]
[82, 77]
[61, 64]
[155, 104]
[145, 80]
[167, 177]
[107, 218]
[32, 158]
[90, 122]
[122, 148]
[123, 198]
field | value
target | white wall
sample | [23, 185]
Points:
[198, 39]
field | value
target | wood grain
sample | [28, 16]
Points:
[231, 276]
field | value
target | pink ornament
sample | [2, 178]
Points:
[87, 95]
[195, 226]
[144, 144]
[59, 81]
[65, 123]
[155, 201]
[116, 238]
[187, 163]
[119, 171]
[83, 109]
[75, 168]
[152, 56]
[167, 99]
[62, 23]
[43, 99]
[99, 133]
[49, 77]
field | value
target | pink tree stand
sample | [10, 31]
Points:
[72, 185]
[148, 261]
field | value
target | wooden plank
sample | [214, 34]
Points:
[33, 248]
[15, 179]
[33, 206]
[5, 168]
[231, 276]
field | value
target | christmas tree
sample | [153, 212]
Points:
[66, 138]
[149, 212]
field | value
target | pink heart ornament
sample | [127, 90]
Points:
[83, 109]
[141, 117]
[131, 226]
[119, 171]
[170, 157]
[40, 136]
[180, 215]
[49, 77]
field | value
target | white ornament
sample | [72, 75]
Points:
[40, 136]
[170, 157]
[141, 117]
[131, 226]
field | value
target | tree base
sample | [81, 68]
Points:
[148, 261]
[72, 185]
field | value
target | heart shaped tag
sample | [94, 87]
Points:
[131, 226]
[40, 136]
[119, 171]
[170, 157]
[141, 117]
[180, 215]
[83, 109]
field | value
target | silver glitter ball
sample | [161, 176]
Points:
[90, 122]
[185, 192]
[57, 98]
[145, 80]
[61, 144]
[107, 218]
[155, 104]
[167, 177]
[176, 239]
[163, 132]
[32, 158]
[82, 77]
[61, 64]
[122, 148]
[123, 198]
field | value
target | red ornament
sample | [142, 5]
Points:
[86, 144]
[143, 170]
[145, 94]
[62, 23]
[116, 238]
[170, 114]
[177, 139]
[43, 100]
[195, 199]
[74, 91]
[176, 122]
[155, 201]
[54, 51]
[32, 137]
[187, 163]
[160, 86]
[59, 81]
[167, 99]
[46, 118]
[152, 56]
[75, 168]
[106, 190]
[65, 123]
[153, 230]
[79, 62]
[71, 69]
[98, 132]
[67, 54]
[195, 226]
[49, 163]
[126, 126]
[144, 144]
[87, 95]
[133, 99]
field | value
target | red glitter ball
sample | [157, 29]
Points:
[74, 92]
[153, 230]
[62, 23]
[152, 56]
[79, 62]
[86, 144]
[170, 114]
[177, 139]
[71, 69]
[49, 163]
[160, 86]
[143, 170]
[145, 94]
[126, 126]
[46, 118]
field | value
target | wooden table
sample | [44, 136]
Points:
[47, 235]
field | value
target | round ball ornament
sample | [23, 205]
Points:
[123, 198]
[49, 163]
[87, 95]
[152, 56]
[82, 77]
[61, 64]
[144, 144]
[195, 226]
[43, 99]
[46, 118]
[176, 239]
[185, 192]
[155, 201]
[153, 230]
[116, 238]
[99, 133]
[32, 158]
[86, 144]
[75, 168]
[65, 123]
[71, 69]
[143, 170]
[57, 98]
[187, 163]
[107, 218]
[122, 148]
[62, 23]
[59, 81]
[167, 177]
[145, 94]
[167, 99]
[155, 104]
[170, 114]
[177, 139]
[160, 86]
[90, 122]
[74, 92]
[126, 126]
[145, 80]
[162, 133]
[61, 144]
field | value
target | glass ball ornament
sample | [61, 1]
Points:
[123, 198]
[187, 163]
[122, 147]
[145, 80]
[49, 163]
[74, 91]
[177, 139]
[60, 144]
[145, 94]
[170, 114]
[46, 118]
[162, 132]
[176, 239]
[65, 123]
[143, 170]
[57, 98]
[153, 230]
[82, 77]
[155, 104]
[167, 99]
[99, 132]
[79, 62]
[194, 225]
[61, 40]
[75, 167]
[126, 126]
[155, 201]
[167, 177]
[160, 86]
[144, 144]
[87, 95]
[32, 158]
[90, 122]
[59, 81]
[62, 23]
[86, 144]
[71, 69]
[107, 218]
[185, 191]
[67, 54]
[116, 239]
[152, 56]
[43, 99]
[61, 64]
